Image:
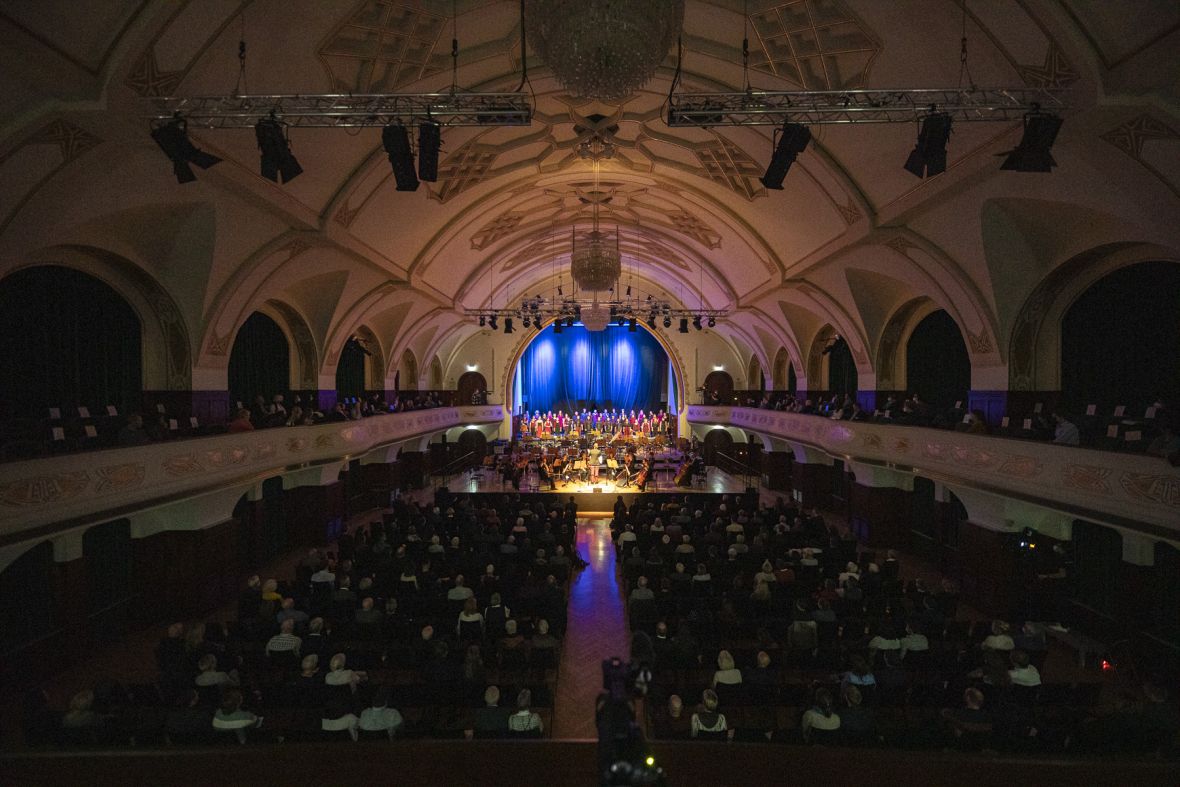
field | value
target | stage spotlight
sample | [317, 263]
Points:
[667, 321]
[492, 322]
[1032, 154]
[429, 141]
[482, 321]
[628, 290]
[712, 322]
[696, 322]
[651, 321]
[631, 323]
[557, 325]
[172, 137]
[684, 325]
[526, 322]
[277, 160]
[396, 141]
[929, 154]
[791, 143]
[507, 325]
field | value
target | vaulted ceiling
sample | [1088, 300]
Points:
[851, 239]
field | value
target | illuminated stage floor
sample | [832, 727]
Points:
[601, 496]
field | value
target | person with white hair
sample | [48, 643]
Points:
[339, 675]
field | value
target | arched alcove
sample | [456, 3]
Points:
[470, 384]
[831, 361]
[350, 370]
[66, 339]
[938, 368]
[1120, 340]
[755, 380]
[407, 371]
[778, 371]
[260, 361]
[718, 388]
[436, 374]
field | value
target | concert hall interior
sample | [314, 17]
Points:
[373, 372]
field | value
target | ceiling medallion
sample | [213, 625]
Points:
[603, 49]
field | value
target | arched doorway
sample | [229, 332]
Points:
[260, 361]
[1120, 340]
[470, 385]
[66, 339]
[938, 368]
[718, 388]
[473, 441]
[717, 441]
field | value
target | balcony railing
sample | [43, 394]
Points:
[1129, 490]
[71, 489]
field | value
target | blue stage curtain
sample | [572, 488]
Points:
[602, 369]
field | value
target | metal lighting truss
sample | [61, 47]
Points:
[349, 110]
[622, 308]
[814, 107]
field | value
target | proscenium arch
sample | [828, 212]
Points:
[1034, 347]
[508, 376]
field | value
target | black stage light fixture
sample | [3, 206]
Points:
[507, 325]
[1032, 154]
[526, 322]
[696, 322]
[667, 321]
[172, 137]
[631, 323]
[929, 154]
[651, 321]
[482, 321]
[278, 163]
[396, 141]
[684, 325]
[791, 142]
[712, 322]
[492, 322]
[557, 325]
[429, 141]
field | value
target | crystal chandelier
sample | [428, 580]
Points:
[603, 49]
[595, 262]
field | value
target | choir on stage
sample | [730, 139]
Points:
[585, 422]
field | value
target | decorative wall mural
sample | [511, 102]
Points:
[1131, 137]
[41, 155]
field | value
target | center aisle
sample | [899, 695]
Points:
[597, 629]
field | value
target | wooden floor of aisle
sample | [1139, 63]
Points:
[596, 630]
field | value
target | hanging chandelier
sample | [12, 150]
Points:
[595, 262]
[603, 49]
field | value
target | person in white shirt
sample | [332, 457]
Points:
[339, 676]
[999, 638]
[1023, 673]
[211, 676]
[338, 717]
[884, 639]
[459, 592]
[380, 717]
[819, 716]
[914, 640]
[726, 672]
[525, 720]
[285, 640]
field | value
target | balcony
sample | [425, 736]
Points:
[39, 497]
[1131, 491]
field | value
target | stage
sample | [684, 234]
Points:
[600, 497]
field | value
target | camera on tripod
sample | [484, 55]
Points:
[623, 759]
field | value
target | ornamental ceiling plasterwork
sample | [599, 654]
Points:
[557, 209]
[815, 44]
